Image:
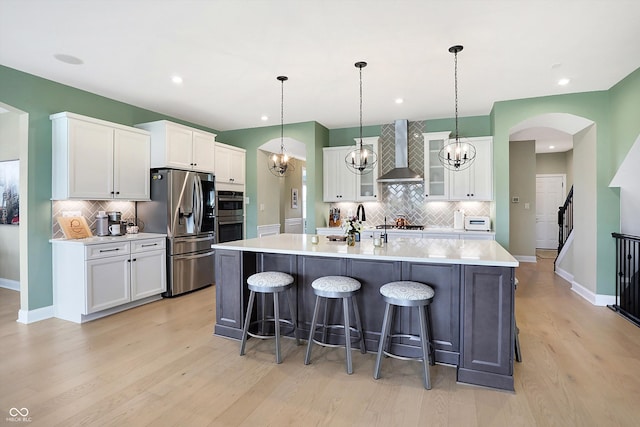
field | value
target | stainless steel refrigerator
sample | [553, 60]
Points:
[183, 206]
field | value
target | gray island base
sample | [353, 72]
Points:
[472, 313]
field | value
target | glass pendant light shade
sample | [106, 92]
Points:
[361, 160]
[458, 154]
[280, 164]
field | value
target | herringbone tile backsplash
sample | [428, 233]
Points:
[408, 198]
[89, 209]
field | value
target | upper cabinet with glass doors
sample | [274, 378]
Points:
[436, 177]
[367, 184]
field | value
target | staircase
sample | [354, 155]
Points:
[565, 223]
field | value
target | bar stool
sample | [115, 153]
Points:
[407, 294]
[331, 287]
[269, 282]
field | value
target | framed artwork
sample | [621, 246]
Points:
[294, 198]
[9, 185]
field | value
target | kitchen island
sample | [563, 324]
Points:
[472, 313]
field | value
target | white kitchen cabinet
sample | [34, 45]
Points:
[96, 277]
[148, 272]
[97, 160]
[181, 147]
[475, 182]
[367, 185]
[403, 234]
[230, 164]
[436, 177]
[342, 185]
[338, 184]
[478, 236]
[108, 283]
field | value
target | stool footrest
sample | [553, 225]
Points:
[396, 356]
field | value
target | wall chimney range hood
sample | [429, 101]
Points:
[401, 172]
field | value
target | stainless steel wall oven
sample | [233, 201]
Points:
[230, 216]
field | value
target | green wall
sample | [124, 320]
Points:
[39, 98]
[594, 106]
[313, 135]
[467, 126]
[625, 116]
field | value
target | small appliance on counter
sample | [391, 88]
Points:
[477, 223]
[115, 227]
[102, 224]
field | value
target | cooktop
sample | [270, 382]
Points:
[404, 227]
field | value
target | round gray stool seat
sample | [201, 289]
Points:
[336, 287]
[269, 282]
[409, 294]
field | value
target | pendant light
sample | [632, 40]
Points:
[457, 155]
[361, 160]
[281, 164]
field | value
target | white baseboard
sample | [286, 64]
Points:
[564, 274]
[14, 285]
[593, 298]
[525, 258]
[31, 316]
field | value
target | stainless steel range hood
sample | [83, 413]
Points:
[401, 173]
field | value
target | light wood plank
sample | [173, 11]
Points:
[160, 365]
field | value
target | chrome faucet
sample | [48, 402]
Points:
[364, 215]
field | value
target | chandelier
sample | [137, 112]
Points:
[457, 155]
[281, 164]
[361, 160]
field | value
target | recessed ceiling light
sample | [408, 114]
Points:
[68, 59]
[551, 147]
[264, 118]
[177, 80]
[563, 82]
[399, 101]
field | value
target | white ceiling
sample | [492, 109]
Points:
[229, 53]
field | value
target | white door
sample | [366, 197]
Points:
[550, 193]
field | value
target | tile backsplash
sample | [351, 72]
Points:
[408, 198]
[89, 209]
[438, 214]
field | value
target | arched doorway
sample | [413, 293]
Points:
[281, 201]
[581, 134]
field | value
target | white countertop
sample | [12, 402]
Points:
[109, 239]
[437, 251]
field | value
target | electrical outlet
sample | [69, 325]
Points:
[526, 205]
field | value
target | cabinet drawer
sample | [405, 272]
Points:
[147, 245]
[106, 250]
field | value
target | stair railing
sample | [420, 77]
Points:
[627, 277]
[565, 220]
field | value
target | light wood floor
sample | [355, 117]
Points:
[160, 365]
